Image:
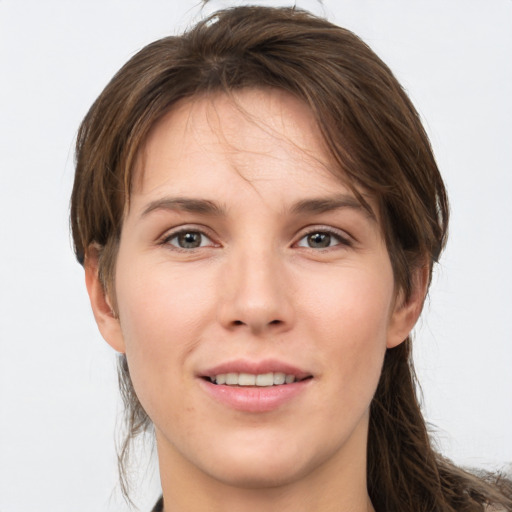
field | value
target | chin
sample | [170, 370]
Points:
[261, 465]
[249, 476]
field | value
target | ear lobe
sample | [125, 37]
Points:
[406, 313]
[105, 316]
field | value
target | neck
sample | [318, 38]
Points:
[271, 500]
[337, 485]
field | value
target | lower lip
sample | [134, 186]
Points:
[255, 399]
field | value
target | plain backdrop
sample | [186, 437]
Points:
[58, 388]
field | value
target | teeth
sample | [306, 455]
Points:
[232, 379]
[289, 379]
[265, 379]
[246, 379]
[249, 379]
[280, 378]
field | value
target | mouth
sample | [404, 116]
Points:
[262, 380]
[255, 386]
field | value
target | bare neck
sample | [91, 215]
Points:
[335, 485]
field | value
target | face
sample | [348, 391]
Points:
[255, 296]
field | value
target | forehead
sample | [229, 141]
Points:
[263, 138]
[250, 121]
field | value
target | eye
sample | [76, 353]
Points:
[188, 239]
[322, 240]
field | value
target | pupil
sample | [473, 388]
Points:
[189, 240]
[319, 240]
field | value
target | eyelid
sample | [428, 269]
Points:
[187, 228]
[344, 238]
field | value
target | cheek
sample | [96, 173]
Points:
[353, 304]
[159, 305]
[349, 319]
[161, 315]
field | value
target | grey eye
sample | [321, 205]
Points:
[322, 240]
[319, 240]
[189, 240]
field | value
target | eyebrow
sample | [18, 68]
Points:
[202, 206]
[305, 206]
[327, 204]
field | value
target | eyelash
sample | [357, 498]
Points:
[342, 240]
[167, 239]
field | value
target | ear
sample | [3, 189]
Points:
[104, 314]
[406, 313]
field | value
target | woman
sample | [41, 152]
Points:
[258, 212]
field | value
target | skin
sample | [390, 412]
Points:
[256, 288]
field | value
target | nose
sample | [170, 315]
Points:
[256, 294]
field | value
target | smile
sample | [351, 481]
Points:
[255, 387]
[250, 379]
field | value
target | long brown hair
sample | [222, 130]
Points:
[376, 137]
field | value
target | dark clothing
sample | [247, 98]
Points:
[159, 505]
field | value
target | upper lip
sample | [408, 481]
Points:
[255, 368]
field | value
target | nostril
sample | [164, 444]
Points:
[256, 325]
